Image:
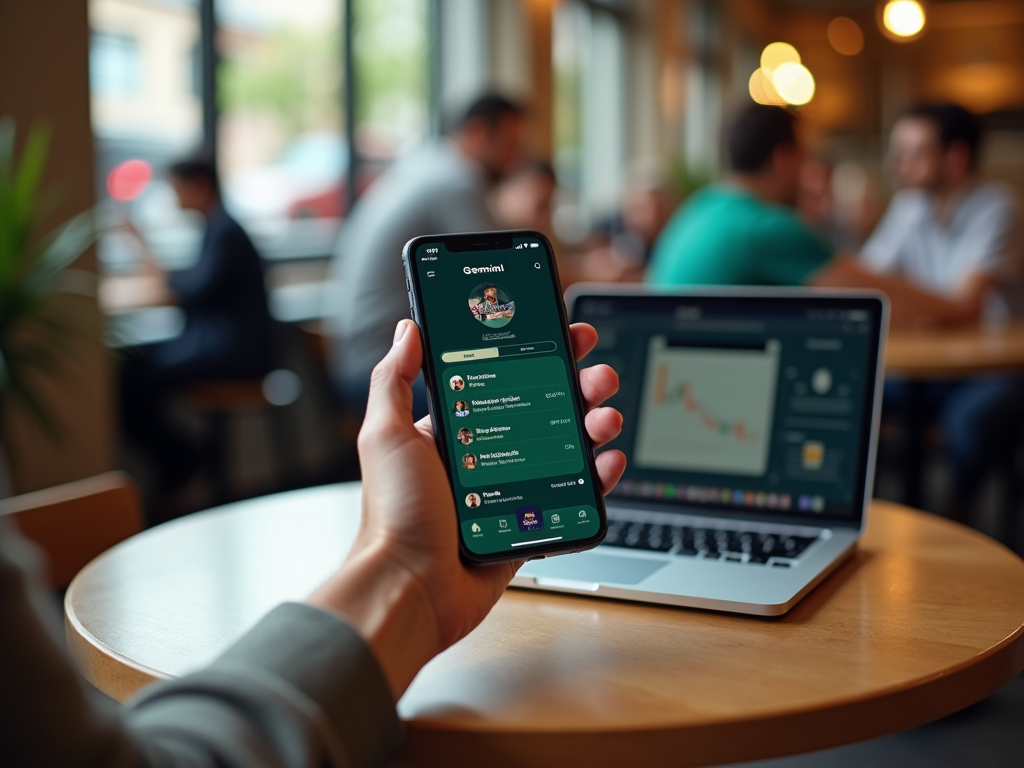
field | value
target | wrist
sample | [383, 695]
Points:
[389, 607]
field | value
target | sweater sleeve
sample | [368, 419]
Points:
[300, 689]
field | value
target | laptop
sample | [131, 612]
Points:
[750, 428]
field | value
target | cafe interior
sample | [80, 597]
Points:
[161, 549]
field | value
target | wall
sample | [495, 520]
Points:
[44, 53]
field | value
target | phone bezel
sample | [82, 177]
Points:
[483, 241]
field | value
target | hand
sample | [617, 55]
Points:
[403, 586]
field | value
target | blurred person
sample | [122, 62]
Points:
[745, 230]
[442, 188]
[313, 684]
[950, 233]
[817, 205]
[526, 198]
[623, 243]
[228, 328]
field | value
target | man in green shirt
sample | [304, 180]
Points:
[745, 230]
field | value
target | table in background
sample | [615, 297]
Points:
[944, 355]
[926, 618]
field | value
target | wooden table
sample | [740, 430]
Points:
[925, 619]
[955, 353]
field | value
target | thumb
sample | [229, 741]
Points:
[389, 408]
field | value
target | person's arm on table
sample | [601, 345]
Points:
[911, 306]
[310, 685]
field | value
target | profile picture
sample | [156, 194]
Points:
[472, 500]
[456, 383]
[469, 461]
[465, 436]
[461, 408]
[492, 305]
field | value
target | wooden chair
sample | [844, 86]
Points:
[222, 401]
[74, 523]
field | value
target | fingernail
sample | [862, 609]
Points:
[400, 331]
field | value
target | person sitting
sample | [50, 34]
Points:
[442, 188]
[228, 328]
[950, 233]
[746, 231]
[311, 685]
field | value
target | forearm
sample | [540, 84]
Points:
[910, 305]
[300, 689]
[389, 608]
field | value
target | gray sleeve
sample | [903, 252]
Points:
[883, 252]
[300, 689]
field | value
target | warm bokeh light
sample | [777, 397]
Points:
[762, 91]
[776, 54]
[846, 36]
[793, 82]
[127, 180]
[903, 18]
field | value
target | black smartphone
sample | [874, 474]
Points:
[504, 394]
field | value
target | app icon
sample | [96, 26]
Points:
[475, 528]
[583, 513]
[529, 518]
[503, 523]
[813, 455]
[556, 519]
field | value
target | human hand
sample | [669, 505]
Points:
[403, 586]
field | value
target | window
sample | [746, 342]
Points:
[114, 64]
[281, 149]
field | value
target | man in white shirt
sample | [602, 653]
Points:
[952, 235]
[440, 188]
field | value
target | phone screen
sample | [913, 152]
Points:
[506, 402]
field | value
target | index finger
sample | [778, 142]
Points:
[584, 339]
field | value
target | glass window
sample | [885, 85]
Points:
[392, 67]
[114, 64]
[145, 112]
[282, 153]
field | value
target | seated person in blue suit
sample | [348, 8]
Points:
[227, 332]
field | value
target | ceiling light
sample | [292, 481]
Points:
[793, 82]
[762, 91]
[903, 19]
[775, 54]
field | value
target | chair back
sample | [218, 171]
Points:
[75, 522]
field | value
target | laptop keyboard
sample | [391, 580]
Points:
[708, 543]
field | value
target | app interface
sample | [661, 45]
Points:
[740, 404]
[519, 471]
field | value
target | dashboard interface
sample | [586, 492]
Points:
[508, 415]
[746, 404]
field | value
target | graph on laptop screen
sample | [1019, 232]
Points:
[739, 404]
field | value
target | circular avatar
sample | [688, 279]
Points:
[456, 383]
[461, 408]
[469, 461]
[472, 500]
[492, 305]
[465, 436]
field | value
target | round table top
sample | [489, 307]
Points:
[955, 352]
[924, 619]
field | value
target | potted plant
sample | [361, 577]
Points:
[36, 332]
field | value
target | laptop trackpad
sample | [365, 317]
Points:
[592, 568]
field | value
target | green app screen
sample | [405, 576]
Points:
[502, 369]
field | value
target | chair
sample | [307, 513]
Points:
[220, 401]
[75, 522]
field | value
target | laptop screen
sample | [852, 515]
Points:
[741, 404]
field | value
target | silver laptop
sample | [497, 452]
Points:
[750, 426]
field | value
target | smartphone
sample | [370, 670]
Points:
[504, 394]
